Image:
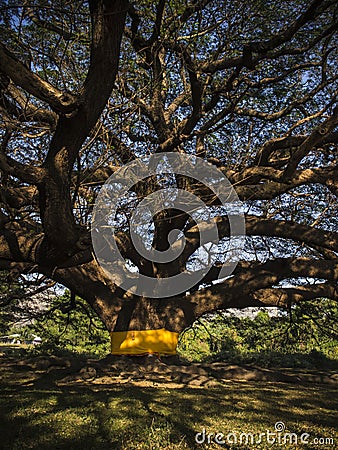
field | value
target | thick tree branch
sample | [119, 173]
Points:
[27, 173]
[33, 14]
[284, 297]
[315, 8]
[257, 226]
[248, 60]
[26, 111]
[158, 22]
[314, 139]
[273, 145]
[18, 197]
[240, 288]
[108, 19]
[19, 241]
[266, 184]
[290, 107]
[22, 76]
[272, 189]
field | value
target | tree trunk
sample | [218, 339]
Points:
[122, 312]
[152, 324]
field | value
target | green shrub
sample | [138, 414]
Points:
[306, 337]
[67, 329]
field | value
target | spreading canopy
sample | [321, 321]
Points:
[250, 87]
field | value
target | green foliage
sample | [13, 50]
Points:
[70, 326]
[8, 289]
[306, 337]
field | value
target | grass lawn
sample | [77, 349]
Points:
[127, 417]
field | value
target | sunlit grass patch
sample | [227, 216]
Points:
[127, 417]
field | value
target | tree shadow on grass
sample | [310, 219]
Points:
[130, 417]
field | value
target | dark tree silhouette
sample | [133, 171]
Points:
[250, 87]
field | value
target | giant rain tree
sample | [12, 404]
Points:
[250, 87]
